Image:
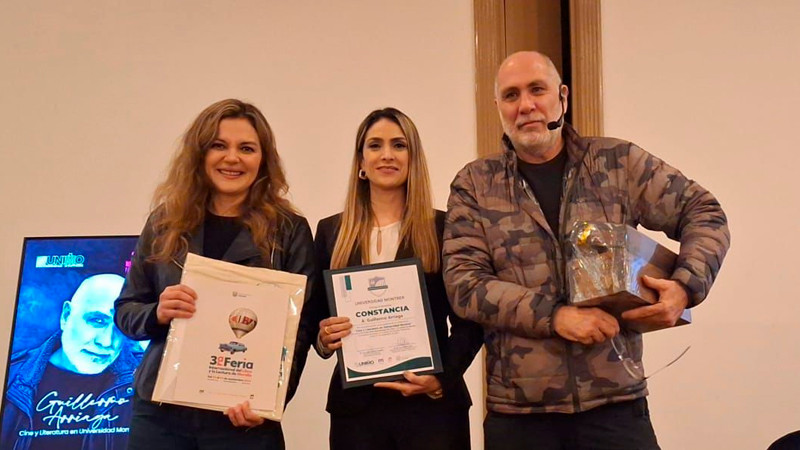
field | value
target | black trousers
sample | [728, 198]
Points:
[404, 428]
[168, 427]
[618, 426]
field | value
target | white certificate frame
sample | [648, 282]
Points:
[393, 328]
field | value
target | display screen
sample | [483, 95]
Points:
[69, 375]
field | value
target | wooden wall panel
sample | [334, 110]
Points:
[534, 25]
[586, 92]
[506, 26]
[490, 50]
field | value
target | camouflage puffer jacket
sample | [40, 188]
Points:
[504, 267]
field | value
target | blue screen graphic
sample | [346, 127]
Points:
[69, 376]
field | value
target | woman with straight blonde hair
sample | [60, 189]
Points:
[223, 198]
[389, 215]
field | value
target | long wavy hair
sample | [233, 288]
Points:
[418, 226]
[180, 202]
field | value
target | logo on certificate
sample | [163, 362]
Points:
[377, 286]
[242, 321]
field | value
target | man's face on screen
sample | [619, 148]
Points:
[90, 340]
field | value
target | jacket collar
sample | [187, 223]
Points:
[576, 149]
[23, 386]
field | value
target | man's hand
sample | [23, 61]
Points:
[585, 325]
[672, 300]
[416, 384]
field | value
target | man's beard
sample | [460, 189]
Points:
[534, 142]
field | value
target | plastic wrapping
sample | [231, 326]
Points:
[606, 264]
[210, 361]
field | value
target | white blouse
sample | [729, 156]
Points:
[389, 237]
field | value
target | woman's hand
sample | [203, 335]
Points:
[242, 416]
[177, 301]
[332, 330]
[415, 385]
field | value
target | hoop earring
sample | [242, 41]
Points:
[362, 174]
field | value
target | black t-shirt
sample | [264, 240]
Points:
[71, 401]
[218, 234]
[546, 181]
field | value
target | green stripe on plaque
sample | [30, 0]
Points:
[347, 283]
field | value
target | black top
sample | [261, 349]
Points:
[219, 232]
[546, 181]
[457, 348]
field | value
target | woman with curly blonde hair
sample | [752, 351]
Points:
[223, 198]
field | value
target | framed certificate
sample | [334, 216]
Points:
[393, 328]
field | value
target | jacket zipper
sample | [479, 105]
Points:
[566, 188]
[560, 263]
[559, 276]
[561, 272]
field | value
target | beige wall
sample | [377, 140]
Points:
[94, 96]
[711, 87]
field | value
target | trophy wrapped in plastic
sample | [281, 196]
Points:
[606, 265]
[239, 344]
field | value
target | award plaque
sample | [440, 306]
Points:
[606, 266]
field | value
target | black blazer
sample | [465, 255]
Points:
[136, 306]
[457, 349]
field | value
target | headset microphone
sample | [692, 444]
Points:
[556, 124]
